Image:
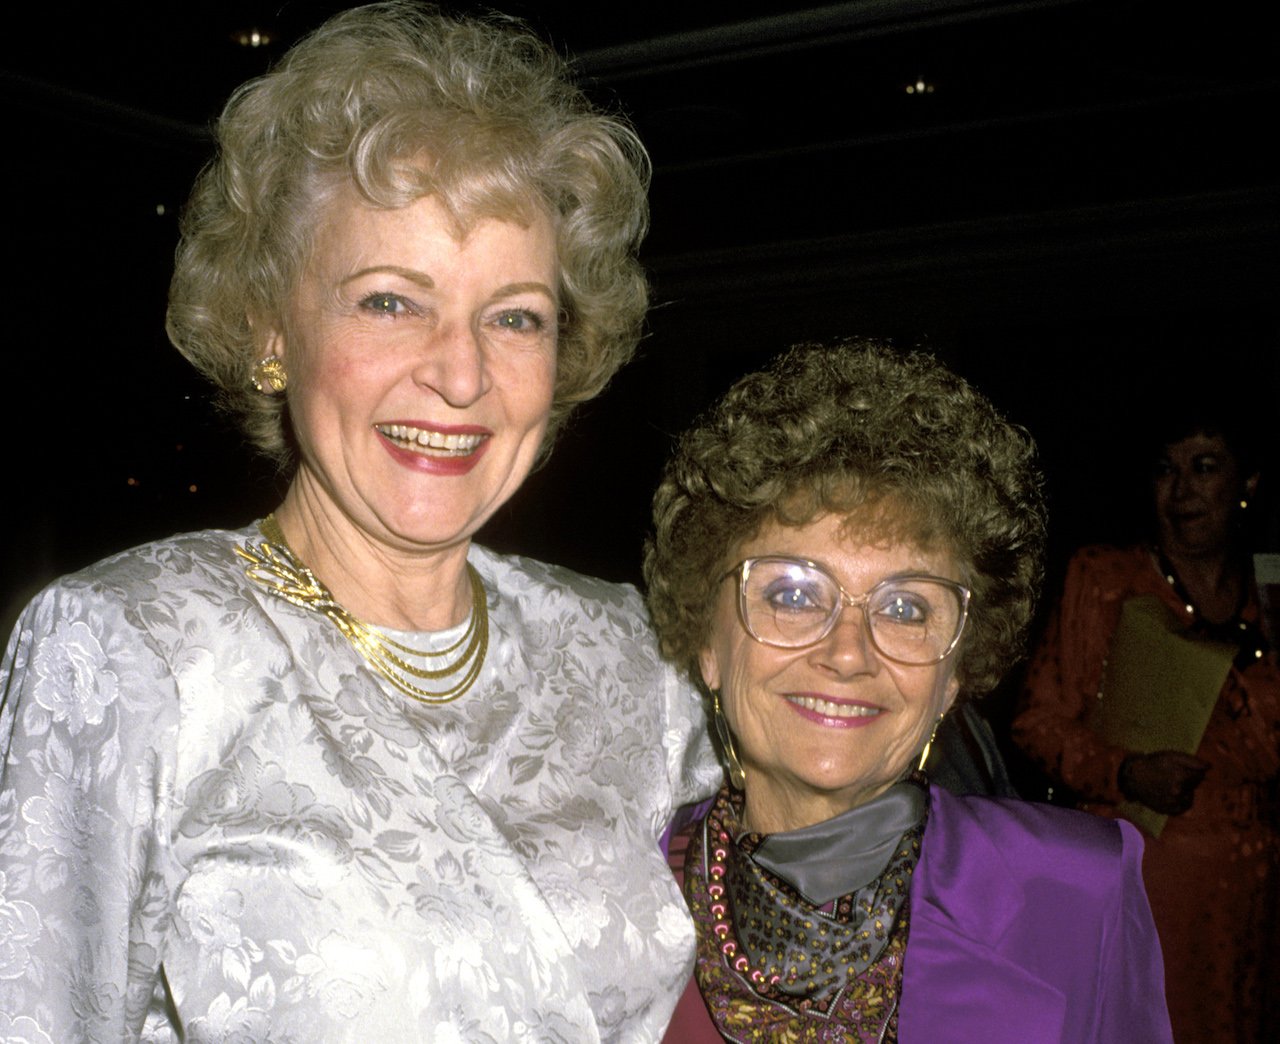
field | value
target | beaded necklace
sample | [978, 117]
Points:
[772, 966]
[1245, 635]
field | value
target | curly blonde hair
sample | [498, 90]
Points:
[401, 101]
[853, 429]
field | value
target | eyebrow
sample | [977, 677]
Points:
[412, 274]
[525, 288]
[427, 283]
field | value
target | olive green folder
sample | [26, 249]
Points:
[1158, 689]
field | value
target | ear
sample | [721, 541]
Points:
[953, 690]
[709, 664]
[268, 336]
[273, 343]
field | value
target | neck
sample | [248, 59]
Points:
[375, 580]
[771, 808]
[1212, 580]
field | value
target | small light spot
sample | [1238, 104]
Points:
[192, 488]
[131, 481]
[252, 37]
[160, 210]
[921, 86]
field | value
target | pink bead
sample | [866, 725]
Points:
[720, 854]
[740, 964]
[721, 930]
[716, 890]
[717, 909]
[729, 948]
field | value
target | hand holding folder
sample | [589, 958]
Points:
[1159, 689]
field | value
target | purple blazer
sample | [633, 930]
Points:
[1029, 925]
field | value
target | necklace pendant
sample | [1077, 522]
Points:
[273, 566]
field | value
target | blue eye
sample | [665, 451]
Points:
[519, 320]
[789, 596]
[903, 607]
[385, 304]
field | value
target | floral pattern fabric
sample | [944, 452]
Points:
[217, 824]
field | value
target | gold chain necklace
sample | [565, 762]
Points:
[274, 566]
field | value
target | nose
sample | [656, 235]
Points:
[1180, 484]
[453, 363]
[847, 648]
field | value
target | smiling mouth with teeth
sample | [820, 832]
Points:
[431, 443]
[833, 710]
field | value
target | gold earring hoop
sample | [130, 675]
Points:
[737, 777]
[269, 376]
[924, 754]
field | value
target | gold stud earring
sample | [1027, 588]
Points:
[269, 376]
[737, 777]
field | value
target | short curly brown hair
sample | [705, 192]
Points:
[849, 428]
[401, 101]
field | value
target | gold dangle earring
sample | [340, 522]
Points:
[269, 376]
[924, 754]
[737, 778]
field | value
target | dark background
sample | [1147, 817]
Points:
[1079, 213]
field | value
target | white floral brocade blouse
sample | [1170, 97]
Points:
[217, 824]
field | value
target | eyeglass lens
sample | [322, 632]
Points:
[792, 604]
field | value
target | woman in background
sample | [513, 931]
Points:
[1212, 872]
[343, 775]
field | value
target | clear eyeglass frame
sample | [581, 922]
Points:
[743, 573]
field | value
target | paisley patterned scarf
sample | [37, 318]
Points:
[787, 951]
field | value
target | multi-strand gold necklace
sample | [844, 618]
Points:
[274, 566]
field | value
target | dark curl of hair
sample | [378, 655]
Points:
[399, 101]
[896, 444]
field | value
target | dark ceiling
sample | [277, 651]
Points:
[1073, 201]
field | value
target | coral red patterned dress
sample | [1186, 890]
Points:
[1213, 875]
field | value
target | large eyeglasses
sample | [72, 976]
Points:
[913, 619]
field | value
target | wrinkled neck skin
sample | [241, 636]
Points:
[770, 806]
[378, 580]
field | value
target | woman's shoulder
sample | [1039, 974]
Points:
[108, 635]
[1037, 918]
[1102, 574]
[539, 583]
[1031, 837]
[1110, 559]
[174, 557]
[134, 584]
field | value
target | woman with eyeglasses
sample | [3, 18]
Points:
[847, 543]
